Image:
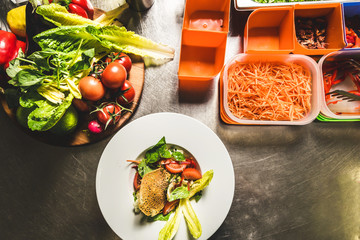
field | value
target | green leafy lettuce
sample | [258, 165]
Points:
[104, 39]
[159, 151]
[47, 82]
[179, 193]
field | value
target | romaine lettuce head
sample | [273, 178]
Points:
[104, 39]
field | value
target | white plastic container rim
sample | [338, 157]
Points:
[323, 106]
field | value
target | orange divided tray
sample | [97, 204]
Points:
[203, 43]
[273, 29]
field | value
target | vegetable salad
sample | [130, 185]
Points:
[169, 165]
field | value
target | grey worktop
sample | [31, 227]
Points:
[292, 182]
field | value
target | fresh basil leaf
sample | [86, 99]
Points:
[154, 153]
[143, 168]
[84, 63]
[158, 217]
[165, 154]
[178, 156]
[42, 58]
[14, 65]
[27, 78]
[179, 193]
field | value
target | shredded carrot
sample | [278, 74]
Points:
[269, 91]
[134, 161]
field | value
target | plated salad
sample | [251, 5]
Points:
[167, 178]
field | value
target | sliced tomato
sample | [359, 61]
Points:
[191, 174]
[169, 206]
[175, 167]
[137, 181]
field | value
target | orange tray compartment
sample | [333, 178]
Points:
[203, 43]
[332, 12]
[270, 30]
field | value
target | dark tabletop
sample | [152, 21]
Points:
[292, 182]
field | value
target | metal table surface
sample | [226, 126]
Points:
[292, 182]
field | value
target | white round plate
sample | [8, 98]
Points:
[114, 175]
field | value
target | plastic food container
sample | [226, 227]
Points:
[245, 5]
[351, 16]
[203, 43]
[274, 29]
[333, 106]
[305, 61]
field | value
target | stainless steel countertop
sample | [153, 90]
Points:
[292, 182]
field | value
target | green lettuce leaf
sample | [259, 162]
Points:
[59, 16]
[47, 114]
[179, 193]
[104, 39]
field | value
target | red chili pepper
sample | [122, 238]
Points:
[86, 5]
[76, 9]
[82, 8]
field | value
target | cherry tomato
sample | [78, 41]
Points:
[169, 206]
[114, 75]
[137, 181]
[76, 9]
[109, 114]
[91, 88]
[191, 174]
[86, 5]
[123, 58]
[175, 167]
[126, 94]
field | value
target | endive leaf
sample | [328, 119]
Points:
[192, 221]
[171, 227]
[200, 184]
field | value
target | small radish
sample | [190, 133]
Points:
[95, 127]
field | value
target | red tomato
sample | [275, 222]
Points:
[114, 75]
[175, 167]
[169, 206]
[137, 181]
[126, 94]
[124, 59]
[91, 88]
[76, 9]
[109, 114]
[191, 174]
[86, 5]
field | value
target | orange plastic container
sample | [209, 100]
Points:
[203, 43]
[332, 12]
[270, 30]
